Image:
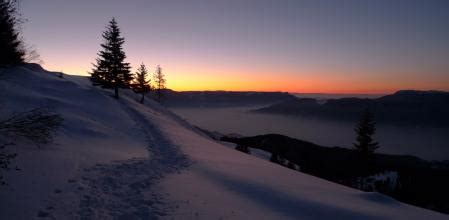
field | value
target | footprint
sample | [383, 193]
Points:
[43, 214]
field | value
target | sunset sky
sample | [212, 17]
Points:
[329, 46]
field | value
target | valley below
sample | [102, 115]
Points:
[430, 143]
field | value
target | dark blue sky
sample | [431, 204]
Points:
[290, 45]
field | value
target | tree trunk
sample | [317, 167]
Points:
[116, 92]
[143, 97]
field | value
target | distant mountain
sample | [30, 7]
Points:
[407, 107]
[223, 98]
[326, 96]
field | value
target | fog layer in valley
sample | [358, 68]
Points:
[426, 143]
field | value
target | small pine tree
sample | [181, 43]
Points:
[365, 129]
[11, 52]
[159, 80]
[111, 70]
[141, 84]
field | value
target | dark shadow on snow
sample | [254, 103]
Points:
[278, 201]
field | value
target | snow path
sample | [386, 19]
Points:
[124, 189]
[124, 184]
[118, 159]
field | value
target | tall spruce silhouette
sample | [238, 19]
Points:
[365, 129]
[159, 80]
[111, 70]
[11, 46]
[142, 82]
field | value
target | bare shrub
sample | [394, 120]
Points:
[35, 125]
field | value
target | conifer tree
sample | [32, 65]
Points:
[111, 70]
[365, 129]
[141, 82]
[159, 80]
[11, 48]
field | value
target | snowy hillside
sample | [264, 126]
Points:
[118, 159]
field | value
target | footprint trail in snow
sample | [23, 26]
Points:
[125, 189]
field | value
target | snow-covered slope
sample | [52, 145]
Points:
[118, 159]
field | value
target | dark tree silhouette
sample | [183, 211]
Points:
[365, 129]
[11, 46]
[111, 70]
[141, 82]
[159, 80]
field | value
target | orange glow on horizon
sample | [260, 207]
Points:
[190, 80]
[296, 83]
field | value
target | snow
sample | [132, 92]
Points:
[388, 178]
[123, 160]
